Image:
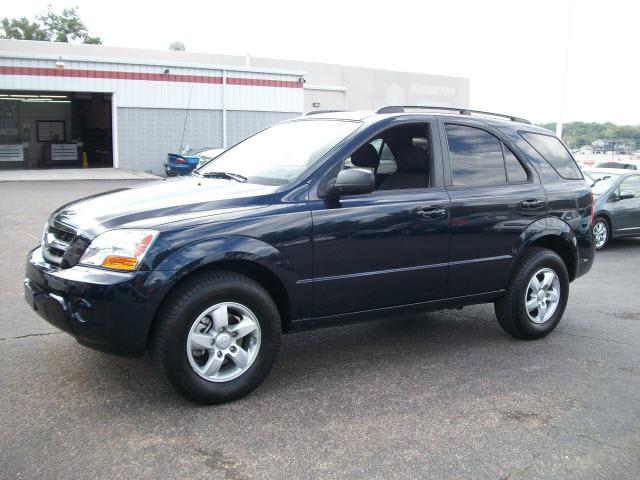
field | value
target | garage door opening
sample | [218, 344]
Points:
[55, 130]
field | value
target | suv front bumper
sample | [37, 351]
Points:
[105, 310]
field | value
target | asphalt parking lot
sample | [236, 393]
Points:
[441, 395]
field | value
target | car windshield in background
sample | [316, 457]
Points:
[601, 182]
[279, 154]
[191, 151]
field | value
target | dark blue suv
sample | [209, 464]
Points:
[330, 218]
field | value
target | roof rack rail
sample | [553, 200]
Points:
[318, 112]
[460, 111]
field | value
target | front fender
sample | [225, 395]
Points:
[204, 252]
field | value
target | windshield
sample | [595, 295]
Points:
[601, 182]
[191, 151]
[279, 154]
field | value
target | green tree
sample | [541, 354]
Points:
[49, 26]
[577, 134]
[22, 29]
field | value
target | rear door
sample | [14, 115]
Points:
[494, 197]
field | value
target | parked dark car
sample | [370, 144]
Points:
[299, 227]
[617, 194]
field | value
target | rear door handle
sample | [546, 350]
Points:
[431, 213]
[532, 204]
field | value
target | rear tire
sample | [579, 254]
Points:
[216, 337]
[601, 232]
[531, 309]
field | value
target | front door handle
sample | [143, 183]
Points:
[532, 204]
[431, 213]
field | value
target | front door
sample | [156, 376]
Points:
[626, 211]
[389, 247]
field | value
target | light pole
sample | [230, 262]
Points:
[565, 73]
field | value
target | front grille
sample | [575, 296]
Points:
[55, 242]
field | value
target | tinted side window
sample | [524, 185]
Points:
[515, 171]
[555, 153]
[475, 156]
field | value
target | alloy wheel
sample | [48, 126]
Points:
[223, 342]
[542, 295]
[601, 233]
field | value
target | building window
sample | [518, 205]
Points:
[51, 131]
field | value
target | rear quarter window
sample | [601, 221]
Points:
[555, 153]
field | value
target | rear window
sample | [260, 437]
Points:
[555, 153]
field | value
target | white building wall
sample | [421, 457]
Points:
[146, 86]
[250, 89]
[156, 103]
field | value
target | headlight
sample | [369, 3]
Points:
[118, 249]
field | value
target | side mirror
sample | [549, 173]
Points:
[354, 181]
[626, 194]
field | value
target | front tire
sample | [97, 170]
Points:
[601, 232]
[217, 337]
[536, 297]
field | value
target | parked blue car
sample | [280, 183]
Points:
[185, 163]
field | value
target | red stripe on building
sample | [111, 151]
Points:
[158, 77]
[256, 82]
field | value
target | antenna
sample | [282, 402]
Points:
[186, 117]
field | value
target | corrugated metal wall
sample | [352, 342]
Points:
[240, 124]
[163, 132]
[146, 135]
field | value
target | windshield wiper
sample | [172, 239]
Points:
[228, 175]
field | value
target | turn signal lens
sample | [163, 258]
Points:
[119, 263]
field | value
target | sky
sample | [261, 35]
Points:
[520, 56]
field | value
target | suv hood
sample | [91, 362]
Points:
[164, 201]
